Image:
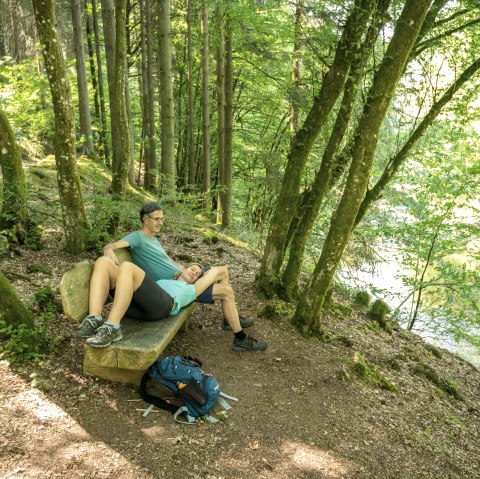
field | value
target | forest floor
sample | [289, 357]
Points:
[303, 412]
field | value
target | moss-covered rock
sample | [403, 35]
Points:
[378, 312]
[363, 298]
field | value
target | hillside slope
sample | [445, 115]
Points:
[365, 404]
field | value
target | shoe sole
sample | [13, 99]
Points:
[241, 350]
[104, 345]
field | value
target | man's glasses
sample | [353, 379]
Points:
[158, 220]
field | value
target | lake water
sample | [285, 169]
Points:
[384, 282]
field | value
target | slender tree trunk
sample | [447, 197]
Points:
[148, 97]
[191, 107]
[205, 111]
[101, 92]
[332, 86]
[121, 169]
[14, 214]
[108, 17]
[228, 156]
[73, 211]
[296, 70]
[220, 76]
[91, 63]
[82, 84]
[314, 198]
[307, 314]
[166, 99]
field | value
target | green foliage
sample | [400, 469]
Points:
[21, 343]
[445, 384]
[362, 298]
[277, 309]
[45, 299]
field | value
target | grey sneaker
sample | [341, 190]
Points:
[244, 323]
[249, 344]
[104, 337]
[89, 326]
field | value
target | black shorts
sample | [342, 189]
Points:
[150, 302]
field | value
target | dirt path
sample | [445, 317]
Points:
[297, 416]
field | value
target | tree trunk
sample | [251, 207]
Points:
[101, 92]
[220, 113]
[108, 17]
[332, 86]
[205, 110]
[74, 217]
[148, 99]
[121, 168]
[228, 147]
[322, 183]
[191, 107]
[82, 84]
[12, 310]
[14, 213]
[166, 99]
[296, 70]
[307, 314]
[92, 63]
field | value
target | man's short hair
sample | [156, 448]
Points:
[149, 208]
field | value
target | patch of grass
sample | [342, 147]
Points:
[369, 374]
[363, 298]
[447, 385]
[432, 350]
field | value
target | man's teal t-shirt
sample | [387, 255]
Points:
[149, 254]
[181, 292]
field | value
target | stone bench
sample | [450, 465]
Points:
[125, 360]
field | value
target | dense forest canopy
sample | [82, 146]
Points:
[326, 133]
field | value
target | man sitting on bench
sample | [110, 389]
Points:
[150, 256]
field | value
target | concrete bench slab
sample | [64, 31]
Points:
[143, 341]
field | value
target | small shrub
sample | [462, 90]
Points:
[21, 343]
[369, 374]
[45, 299]
[362, 298]
[378, 312]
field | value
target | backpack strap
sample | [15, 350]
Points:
[224, 403]
[191, 419]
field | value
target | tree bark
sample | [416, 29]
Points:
[332, 86]
[191, 106]
[307, 314]
[101, 92]
[82, 84]
[322, 183]
[228, 146]
[14, 214]
[166, 99]
[296, 70]
[205, 110]
[74, 218]
[12, 310]
[108, 18]
[148, 99]
[121, 169]
[220, 77]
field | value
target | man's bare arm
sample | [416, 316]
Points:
[109, 249]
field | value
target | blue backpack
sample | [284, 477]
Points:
[198, 392]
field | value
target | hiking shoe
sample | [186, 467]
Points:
[249, 344]
[244, 323]
[104, 337]
[89, 326]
